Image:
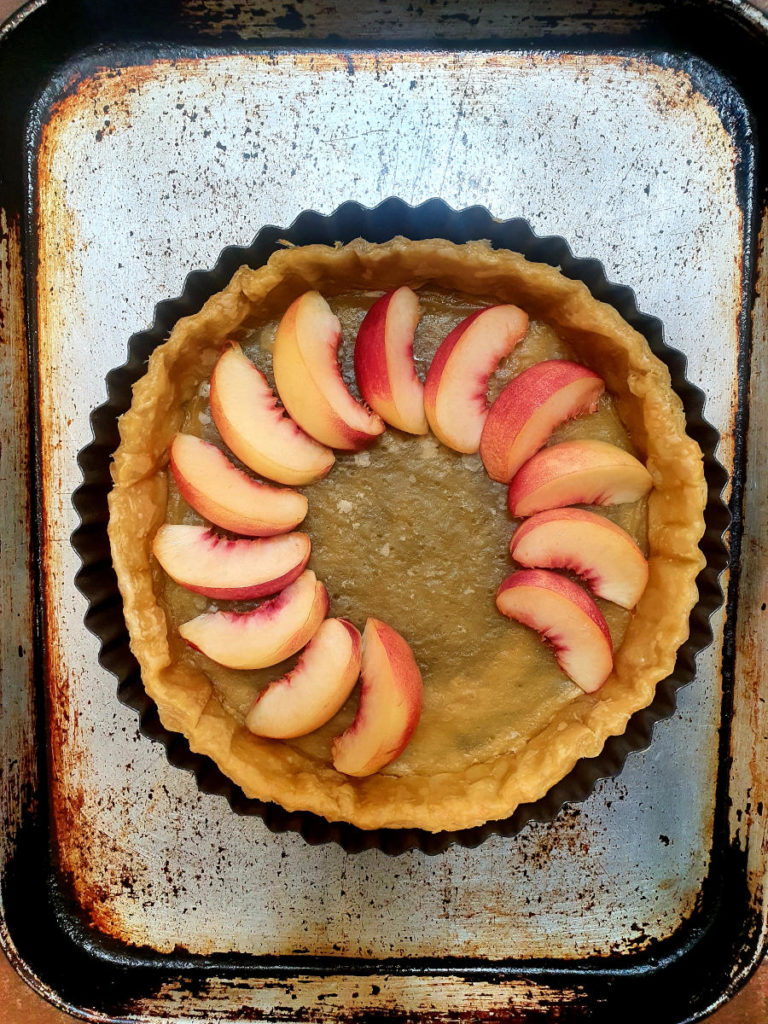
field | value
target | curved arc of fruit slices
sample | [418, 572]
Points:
[229, 498]
[564, 615]
[384, 365]
[577, 473]
[457, 381]
[310, 694]
[529, 408]
[308, 377]
[588, 544]
[265, 636]
[389, 707]
[259, 432]
[232, 570]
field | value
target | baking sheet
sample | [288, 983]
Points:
[145, 171]
[184, 142]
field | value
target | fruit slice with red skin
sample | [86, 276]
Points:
[256, 429]
[266, 635]
[389, 708]
[604, 555]
[577, 473]
[226, 496]
[308, 378]
[310, 694]
[529, 408]
[566, 617]
[384, 366]
[230, 570]
[455, 389]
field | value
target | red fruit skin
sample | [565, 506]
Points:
[371, 371]
[503, 445]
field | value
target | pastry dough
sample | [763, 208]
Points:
[446, 793]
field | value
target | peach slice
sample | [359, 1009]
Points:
[256, 429]
[593, 547]
[384, 365]
[308, 378]
[311, 694]
[231, 570]
[218, 490]
[577, 473]
[455, 389]
[266, 635]
[389, 708]
[566, 617]
[528, 410]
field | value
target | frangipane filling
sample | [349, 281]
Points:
[417, 535]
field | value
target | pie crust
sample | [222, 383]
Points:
[649, 409]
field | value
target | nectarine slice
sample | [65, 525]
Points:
[593, 547]
[566, 617]
[231, 570]
[455, 389]
[529, 408]
[389, 708]
[384, 365]
[308, 378]
[265, 636]
[577, 473]
[226, 496]
[256, 429]
[310, 694]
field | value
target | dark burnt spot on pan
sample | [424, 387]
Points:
[96, 578]
[291, 20]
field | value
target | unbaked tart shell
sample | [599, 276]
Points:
[441, 799]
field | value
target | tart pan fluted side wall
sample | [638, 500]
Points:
[96, 579]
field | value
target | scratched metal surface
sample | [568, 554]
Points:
[147, 174]
[18, 773]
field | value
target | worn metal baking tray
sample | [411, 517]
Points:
[139, 139]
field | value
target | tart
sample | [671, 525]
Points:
[408, 531]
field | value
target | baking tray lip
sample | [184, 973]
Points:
[6, 934]
[12, 22]
[751, 16]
